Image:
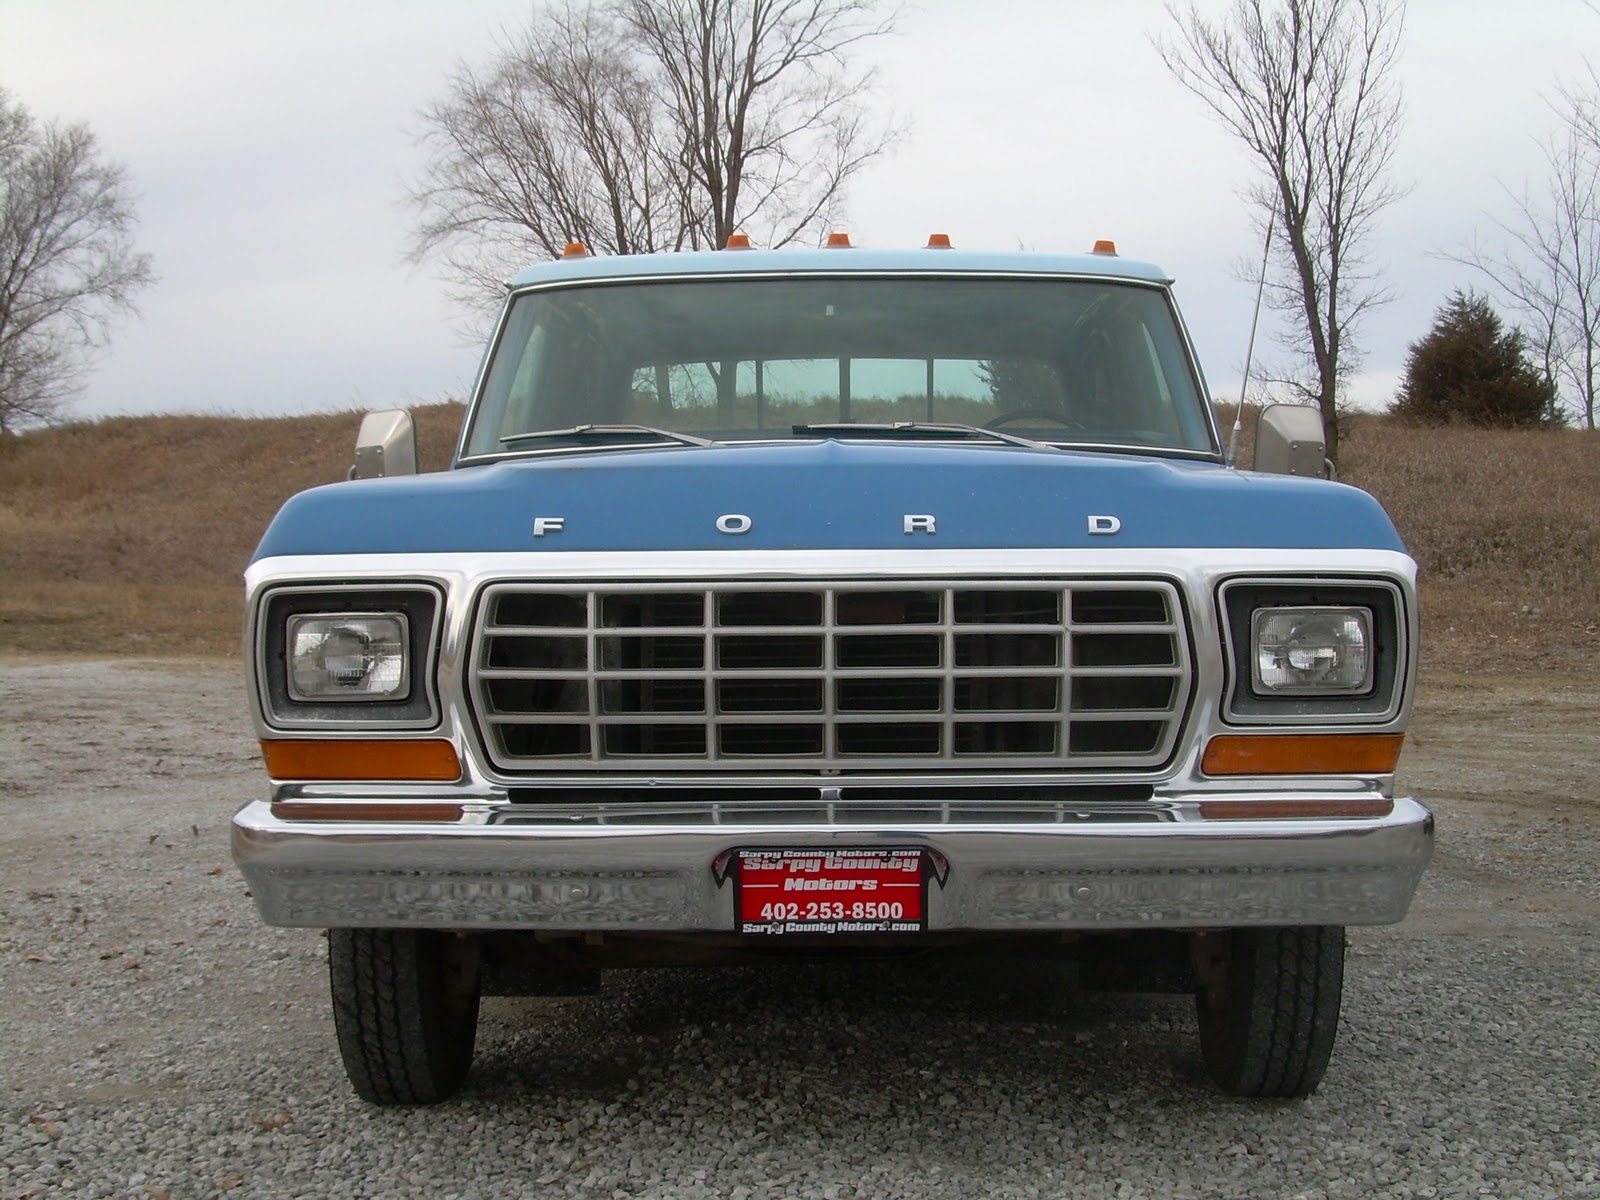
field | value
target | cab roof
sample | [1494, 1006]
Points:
[833, 261]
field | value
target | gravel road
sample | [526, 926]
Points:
[156, 1040]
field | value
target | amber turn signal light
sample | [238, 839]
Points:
[430, 760]
[1302, 754]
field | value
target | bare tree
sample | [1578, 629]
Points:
[67, 262]
[766, 110]
[1548, 266]
[1310, 88]
[558, 141]
[635, 126]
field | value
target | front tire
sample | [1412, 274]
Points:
[1268, 1003]
[405, 1007]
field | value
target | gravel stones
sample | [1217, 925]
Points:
[156, 1040]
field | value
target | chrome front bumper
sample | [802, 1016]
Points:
[657, 876]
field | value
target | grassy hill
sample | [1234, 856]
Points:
[129, 535]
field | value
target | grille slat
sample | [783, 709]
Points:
[844, 675]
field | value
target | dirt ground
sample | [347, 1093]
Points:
[1508, 765]
[123, 771]
[120, 772]
[141, 988]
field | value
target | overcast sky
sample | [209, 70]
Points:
[271, 146]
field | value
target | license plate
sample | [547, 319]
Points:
[830, 891]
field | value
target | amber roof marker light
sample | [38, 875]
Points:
[575, 250]
[838, 241]
[938, 241]
[738, 241]
[1104, 246]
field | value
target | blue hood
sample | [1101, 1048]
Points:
[827, 495]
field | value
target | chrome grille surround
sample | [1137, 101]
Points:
[846, 675]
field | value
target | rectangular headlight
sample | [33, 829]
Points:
[1311, 651]
[348, 656]
[345, 656]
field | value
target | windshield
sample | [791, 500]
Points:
[1068, 361]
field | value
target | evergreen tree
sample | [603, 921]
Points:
[1471, 369]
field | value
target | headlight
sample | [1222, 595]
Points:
[348, 656]
[1316, 651]
[1311, 651]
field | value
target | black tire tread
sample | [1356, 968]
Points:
[1276, 1035]
[400, 1042]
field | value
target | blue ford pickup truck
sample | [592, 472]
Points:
[834, 600]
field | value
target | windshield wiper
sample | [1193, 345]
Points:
[929, 430]
[607, 432]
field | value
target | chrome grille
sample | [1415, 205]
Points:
[846, 676]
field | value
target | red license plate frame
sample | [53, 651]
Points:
[834, 891]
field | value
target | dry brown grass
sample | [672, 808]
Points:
[130, 535]
[1505, 528]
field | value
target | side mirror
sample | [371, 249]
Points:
[1289, 441]
[386, 445]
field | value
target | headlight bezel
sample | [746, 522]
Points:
[1379, 701]
[420, 608]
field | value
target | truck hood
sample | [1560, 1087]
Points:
[828, 495]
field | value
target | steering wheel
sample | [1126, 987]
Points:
[1032, 414]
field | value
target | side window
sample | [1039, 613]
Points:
[1129, 395]
[1163, 411]
[1118, 388]
[519, 397]
[508, 403]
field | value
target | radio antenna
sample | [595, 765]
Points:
[1250, 350]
